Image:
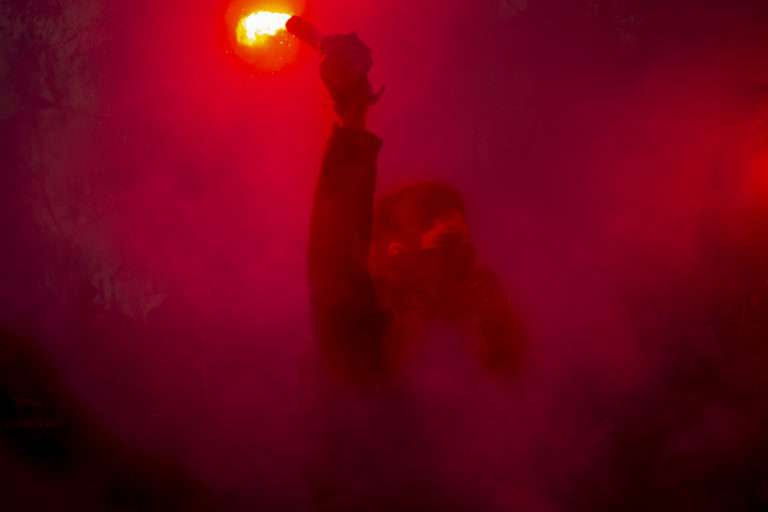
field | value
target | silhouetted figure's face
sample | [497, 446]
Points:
[422, 253]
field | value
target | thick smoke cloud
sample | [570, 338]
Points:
[157, 204]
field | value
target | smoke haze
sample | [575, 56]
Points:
[157, 193]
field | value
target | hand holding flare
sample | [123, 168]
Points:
[345, 65]
[344, 69]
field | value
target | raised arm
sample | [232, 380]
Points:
[348, 324]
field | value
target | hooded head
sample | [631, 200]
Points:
[420, 242]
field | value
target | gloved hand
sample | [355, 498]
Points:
[344, 70]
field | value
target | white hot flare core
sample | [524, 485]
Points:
[257, 27]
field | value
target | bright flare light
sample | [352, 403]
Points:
[257, 27]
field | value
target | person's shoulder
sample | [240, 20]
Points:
[486, 282]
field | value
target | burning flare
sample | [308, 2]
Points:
[257, 27]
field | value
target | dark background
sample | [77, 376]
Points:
[155, 195]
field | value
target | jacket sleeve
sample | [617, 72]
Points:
[347, 321]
